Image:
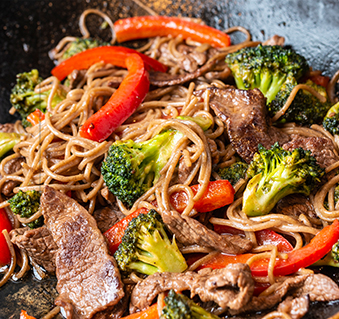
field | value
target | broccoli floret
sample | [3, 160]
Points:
[234, 172]
[132, 168]
[331, 120]
[265, 68]
[7, 142]
[26, 204]
[146, 248]
[305, 108]
[25, 100]
[178, 306]
[80, 45]
[276, 173]
[331, 259]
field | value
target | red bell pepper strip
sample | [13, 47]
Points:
[321, 80]
[218, 194]
[152, 26]
[121, 104]
[35, 117]
[5, 255]
[109, 54]
[116, 232]
[149, 313]
[24, 315]
[318, 247]
[264, 237]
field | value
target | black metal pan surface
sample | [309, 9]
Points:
[30, 28]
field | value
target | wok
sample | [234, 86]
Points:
[30, 28]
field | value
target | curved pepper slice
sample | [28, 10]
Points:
[152, 26]
[5, 255]
[121, 104]
[109, 54]
[116, 232]
[24, 315]
[318, 247]
[149, 313]
[218, 194]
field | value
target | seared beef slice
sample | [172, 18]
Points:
[38, 244]
[88, 277]
[244, 113]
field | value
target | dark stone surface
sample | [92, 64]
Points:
[30, 28]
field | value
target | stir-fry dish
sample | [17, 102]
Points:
[188, 178]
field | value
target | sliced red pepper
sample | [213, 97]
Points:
[5, 255]
[153, 26]
[149, 313]
[218, 194]
[115, 233]
[35, 117]
[321, 80]
[24, 315]
[318, 247]
[108, 54]
[121, 105]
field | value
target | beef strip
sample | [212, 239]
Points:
[165, 79]
[107, 217]
[11, 167]
[76, 77]
[38, 244]
[294, 205]
[105, 193]
[317, 286]
[189, 231]
[231, 286]
[245, 115]
[191, 59]
[296, 308]
[321, 148]
[7, 128]
[88, 277]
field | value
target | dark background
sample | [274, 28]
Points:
[30, 28]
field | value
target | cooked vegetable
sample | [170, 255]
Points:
[24, 315]
[26, 100]
[154, 26]
[331, 259]
[303, 257]
[149, 313]
[121, 105]
[80, 45]
[331, 120]
[8, 141]
[116, 232]
[218, 194]
[265, 68]
[234, 172]
[132, 168]
[305, 108]
[5, 256]
[146, 248]
[276, 173]
[26, 204]
[36, 117]
[108, 54]
[178, 306]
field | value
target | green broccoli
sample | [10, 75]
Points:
[146, 248]
[331, 120]
[132, 168]
[265, 68]
[178, 306]
[305, 108]
[80, 45]
[331, 259]
[25, 100]
[276, 173]
[234, 172]
[7, 142]
[26, 204]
